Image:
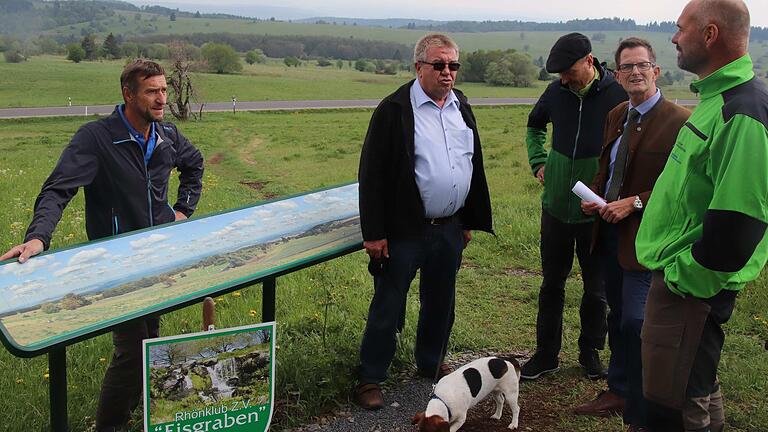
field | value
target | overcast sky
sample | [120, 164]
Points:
[642, 11]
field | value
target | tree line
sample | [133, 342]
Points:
[581, 25]
[296, 46]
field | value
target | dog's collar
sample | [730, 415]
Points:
[434, 396]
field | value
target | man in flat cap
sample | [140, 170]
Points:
[576, 104]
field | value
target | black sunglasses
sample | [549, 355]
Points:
[440, 66]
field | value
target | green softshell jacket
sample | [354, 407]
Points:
[705, 223]
[577, 138]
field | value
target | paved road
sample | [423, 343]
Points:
[7, 113]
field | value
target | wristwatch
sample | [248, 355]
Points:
[638, 204]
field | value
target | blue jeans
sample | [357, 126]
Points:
[626, 292]
[437, 254]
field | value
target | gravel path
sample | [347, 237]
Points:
[408, 395]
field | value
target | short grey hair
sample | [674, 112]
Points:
[432, 40]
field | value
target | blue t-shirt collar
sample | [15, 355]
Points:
[147, 146]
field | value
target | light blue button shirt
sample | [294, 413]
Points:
[642, 109]
[444, 146]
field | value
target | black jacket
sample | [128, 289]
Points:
[121, 193]
[577, 139]
[390, 201]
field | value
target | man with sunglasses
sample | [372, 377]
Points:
[639, 135]
[576, 104]
[422, 190]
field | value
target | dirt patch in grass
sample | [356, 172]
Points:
[521, 272]
[258, 185]
[215, 159]
[247, 152]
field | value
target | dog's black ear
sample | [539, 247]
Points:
[417, 418]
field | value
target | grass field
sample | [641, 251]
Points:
[290, 152]
[51, 80]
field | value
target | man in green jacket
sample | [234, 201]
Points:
[576, 105]
[703, 233]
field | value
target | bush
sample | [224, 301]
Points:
[514, 70]
[13, 56]
[475, 64]
[255, 56]
[221, 58]
[322, 62]
[73, 301]
[365, 66]
[75, 53]
[156, 51]
[50, 308]
[291, 61]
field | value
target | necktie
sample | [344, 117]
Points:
[621, 158]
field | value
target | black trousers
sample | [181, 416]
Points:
[122, 385]
[437, 255]
[557, 246]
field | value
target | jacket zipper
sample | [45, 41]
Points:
[149, 183]
[115, 225]
[575, 147]
[149, 194]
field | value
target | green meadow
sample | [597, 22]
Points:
[51, 80]
[321, 310]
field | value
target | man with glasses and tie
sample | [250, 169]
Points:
[576, 104]
[639, 135]
[422, 190]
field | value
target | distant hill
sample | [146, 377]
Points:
[387, 23]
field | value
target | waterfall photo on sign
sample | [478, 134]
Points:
[219, 380]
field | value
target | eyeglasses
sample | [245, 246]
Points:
[440, 66]
[642, 67]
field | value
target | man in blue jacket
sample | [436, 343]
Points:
[123, 163]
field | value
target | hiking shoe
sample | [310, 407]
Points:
[537, 366]
[368, 396]
[590, 361]
[606, 404]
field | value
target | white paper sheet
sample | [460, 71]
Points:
[586, 193]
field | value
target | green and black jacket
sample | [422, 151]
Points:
[577, 138]
[705, 223]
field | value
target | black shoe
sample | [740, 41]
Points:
[539, 365]
[590, 361]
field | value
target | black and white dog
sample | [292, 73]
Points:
[456, 393]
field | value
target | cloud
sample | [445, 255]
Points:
[28, 267]
[148, 241]
[88, 256]
[26, 288]
[69, 269]
[242, 223]
[286, 205]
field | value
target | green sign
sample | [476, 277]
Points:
[220, 380]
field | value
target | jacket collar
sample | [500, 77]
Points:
[119, 131]
[402, 96]
[727, 77]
